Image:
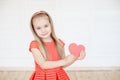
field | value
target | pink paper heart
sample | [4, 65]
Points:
[76, 49]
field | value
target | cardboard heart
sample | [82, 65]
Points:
[76, 49]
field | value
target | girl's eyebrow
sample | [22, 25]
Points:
[37, 27]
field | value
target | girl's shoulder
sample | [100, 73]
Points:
[62, 42]
[33, 44]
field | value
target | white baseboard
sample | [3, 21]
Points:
[67, 69]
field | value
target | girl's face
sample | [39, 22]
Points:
[42, 28]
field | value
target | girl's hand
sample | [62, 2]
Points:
[82, 55]
[76, 49]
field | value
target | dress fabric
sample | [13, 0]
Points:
[48, 74]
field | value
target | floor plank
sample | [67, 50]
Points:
[74, 75]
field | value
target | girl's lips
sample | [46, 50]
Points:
[44, 34]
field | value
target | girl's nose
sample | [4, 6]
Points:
[43, 30]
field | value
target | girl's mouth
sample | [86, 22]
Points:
[44, 34]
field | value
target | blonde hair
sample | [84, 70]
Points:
[39, 41]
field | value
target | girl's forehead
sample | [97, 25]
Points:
[40, 18]
[40, 21]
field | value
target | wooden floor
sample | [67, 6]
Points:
[74, 75]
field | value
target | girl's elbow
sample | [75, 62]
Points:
[43, 66]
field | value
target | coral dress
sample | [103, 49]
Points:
[48, 74]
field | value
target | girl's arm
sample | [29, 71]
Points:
[51, 64]
[82, 56]
[69, 60]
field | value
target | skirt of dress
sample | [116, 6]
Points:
[50, 74]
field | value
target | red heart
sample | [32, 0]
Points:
[76, 49]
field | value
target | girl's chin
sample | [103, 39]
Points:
[45, 37]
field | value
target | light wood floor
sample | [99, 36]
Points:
[74, 75]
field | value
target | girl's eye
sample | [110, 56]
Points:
[46, 25]
[38, 28]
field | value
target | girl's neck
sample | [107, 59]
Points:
[47, 40]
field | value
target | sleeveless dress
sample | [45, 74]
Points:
[57, 73]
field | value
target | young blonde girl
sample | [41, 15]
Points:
[48, 50]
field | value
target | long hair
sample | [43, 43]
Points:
[42, 48]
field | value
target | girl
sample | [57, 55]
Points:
[48, 50]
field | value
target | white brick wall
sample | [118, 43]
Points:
[96, 24]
